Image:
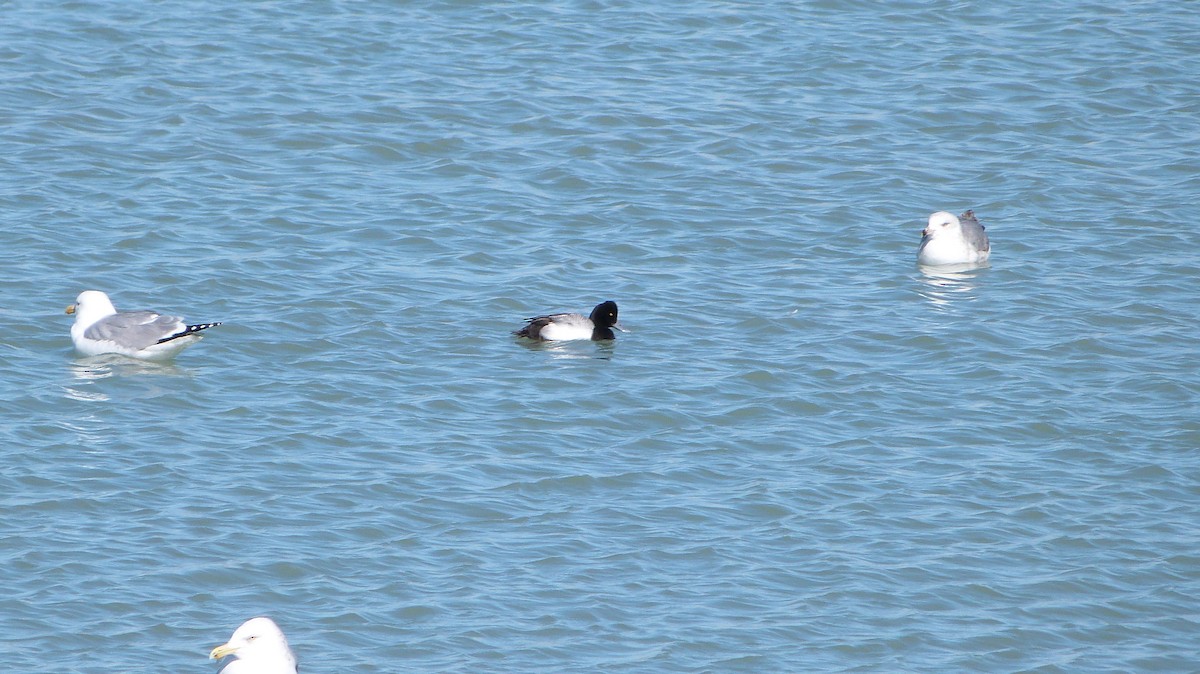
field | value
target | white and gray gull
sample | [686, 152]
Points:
[948, 240]
[99, 328]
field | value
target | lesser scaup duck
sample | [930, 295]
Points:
[950, 240]
[100, 328]
[556, 327]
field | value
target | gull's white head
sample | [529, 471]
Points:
[260, 648]
[91, 306]
[940, 222]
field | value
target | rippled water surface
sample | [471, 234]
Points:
[808, 454]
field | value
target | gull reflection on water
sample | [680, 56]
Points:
[949, 283]
[86, 371]
[108, 365]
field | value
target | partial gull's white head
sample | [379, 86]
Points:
[260, 648]
[947, 240]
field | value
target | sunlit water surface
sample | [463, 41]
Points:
[808, 454]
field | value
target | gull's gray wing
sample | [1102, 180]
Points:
[973, 232]
[135, 329]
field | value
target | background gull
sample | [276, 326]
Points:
[950, 240]
[259, 648]
[99, 328]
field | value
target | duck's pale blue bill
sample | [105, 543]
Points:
[617, 326]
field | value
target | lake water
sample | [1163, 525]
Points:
[808, 454]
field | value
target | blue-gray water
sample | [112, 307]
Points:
[807, 456]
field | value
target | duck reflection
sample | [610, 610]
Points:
[573, 350]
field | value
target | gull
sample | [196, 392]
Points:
[258, 647]
[950, 240]
[99, 328]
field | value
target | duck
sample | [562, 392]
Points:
[558, 327]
